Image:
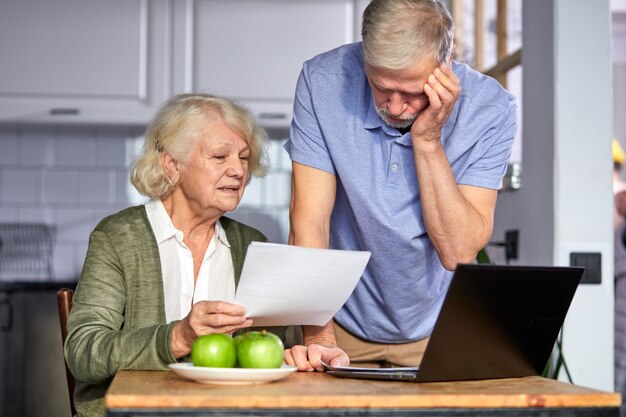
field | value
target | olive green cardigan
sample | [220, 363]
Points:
[117, 319]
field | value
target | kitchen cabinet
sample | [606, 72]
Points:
[83, 61]
[32, 370]
[115, 62]
[253, 50]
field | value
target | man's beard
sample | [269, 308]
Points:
[405, 122]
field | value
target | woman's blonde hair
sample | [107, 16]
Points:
[175, 129]
[397, 32]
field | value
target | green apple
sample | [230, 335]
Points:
[259, 350]
[214, 350]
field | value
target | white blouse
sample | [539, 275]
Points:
[216, 278]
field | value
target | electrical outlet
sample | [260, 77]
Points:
[511, 244]
[592, 261]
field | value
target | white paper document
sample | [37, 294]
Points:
[283, 285]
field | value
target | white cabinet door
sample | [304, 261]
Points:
[252, 50]
[83, 61]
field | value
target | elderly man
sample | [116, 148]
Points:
[398, 150]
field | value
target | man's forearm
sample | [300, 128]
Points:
[455, 227]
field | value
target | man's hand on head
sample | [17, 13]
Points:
[443, 89]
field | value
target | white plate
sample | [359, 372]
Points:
[230, 376]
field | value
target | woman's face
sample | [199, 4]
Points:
[216, 171]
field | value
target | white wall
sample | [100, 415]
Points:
[565, 202]
[583, 198]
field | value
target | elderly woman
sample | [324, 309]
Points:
[157, 276]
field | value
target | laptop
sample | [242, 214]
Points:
[496, 321]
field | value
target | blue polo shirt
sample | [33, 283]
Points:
[336, 129]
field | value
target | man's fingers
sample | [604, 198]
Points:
[448, 79]
[442, 88]
[433, 98]
[335, 356]
[340, 360]
[309, 358]
[446, 84]
[298, 357]
[316, 352]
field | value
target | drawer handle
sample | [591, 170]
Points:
[64, 112]
[272, 116]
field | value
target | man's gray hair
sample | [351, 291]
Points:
[397, 32]
[176, 128]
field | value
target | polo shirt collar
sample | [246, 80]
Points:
[373, 120]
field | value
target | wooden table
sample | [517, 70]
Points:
[152, 393]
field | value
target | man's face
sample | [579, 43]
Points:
[399, 94]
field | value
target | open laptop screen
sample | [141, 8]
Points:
[497, 321]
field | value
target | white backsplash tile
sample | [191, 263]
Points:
[133, 147]
[80, 252]
[20, 186]
[112, 186]
[8, 146]
[121, 187]
[253, 195]
[59, 186]
[279, 157]
[76, 148]
[110, 150]
[281, 215]
[278, 188]
[101, 213]
[94, 187]
[65, 263]
[75, 224]
[39, 214]
[125, 192]
[37, 146]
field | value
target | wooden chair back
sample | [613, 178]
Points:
[64, 299]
